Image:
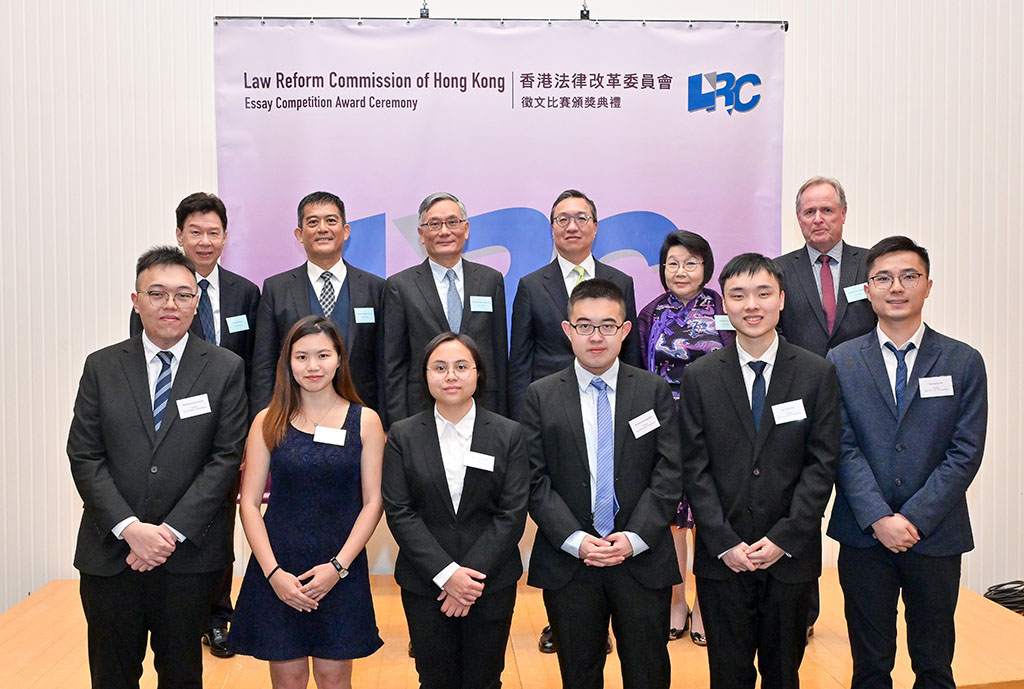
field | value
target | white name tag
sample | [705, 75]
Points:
[936, 386]
[237, 324]
[855, 292]
[193, 406]
[328, 435]
[645, 423]
[364, 314]
[723, 323]
[480, 304]
[478, 460]
[789, 411]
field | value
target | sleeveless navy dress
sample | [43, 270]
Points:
[315, 498]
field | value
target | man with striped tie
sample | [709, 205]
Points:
[155, 445]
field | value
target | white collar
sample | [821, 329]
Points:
[464, 427]
[915, 338]
[768, 357]
[213, 278]
[439, 271]
[151, 350]
[567, 266]
[338, 270]
[610, 377]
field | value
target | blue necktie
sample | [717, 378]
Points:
[757, 393]
[163, 388]
[901, 372]
[206, 313]
[604, 500]
[454, 303]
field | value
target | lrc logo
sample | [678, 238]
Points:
[723, 85]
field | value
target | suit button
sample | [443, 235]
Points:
[899, 482]
[153, 470]
[757, 472]
[899, 447]
[750, 511]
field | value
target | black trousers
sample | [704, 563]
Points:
[221, 609]
[122, 610]
[754, 613]
[579, 614]
[460, 652]
[872, 580]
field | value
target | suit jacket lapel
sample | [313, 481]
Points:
[871, 353]
[435, 464]
[926, 358]
[805, 277]
[783, 373]
[189, 371]
[472, 285]
[356, 286]
[732, 381]
[481, 443]
[298, 291]
[555, 286]
[847, 278]
[134, 365]
[424, 280]
[623, 409]
[570, 392]
[229, 305]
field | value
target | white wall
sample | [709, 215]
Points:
[107, 120]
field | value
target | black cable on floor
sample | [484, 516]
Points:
[1009, 595]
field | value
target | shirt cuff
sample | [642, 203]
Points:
[120, 526]
[177, 534]
[572, 544]
[638, 543]
[442, 577]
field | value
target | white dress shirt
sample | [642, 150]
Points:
[439, 271]
[890, 359]
[836, 254]
[588, 407]
[213, 292]
[569, 274]
[748, 373]
[455, 440]
[338, 274]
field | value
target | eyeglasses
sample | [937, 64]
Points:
[587, 329]
[461, 369]
[581, 220]
[884, 282]
[689, 266]
[159, 297]
[450, 223]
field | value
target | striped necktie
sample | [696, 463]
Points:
[162, 391]
[901, 372]
[604, 499]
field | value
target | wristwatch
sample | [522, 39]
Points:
[342, 572]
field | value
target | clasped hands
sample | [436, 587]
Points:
[151, 545]
[605, 552]
[750, 558]
[461, 590]
[304, 592]
[896, 533]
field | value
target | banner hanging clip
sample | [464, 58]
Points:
[584, 13]
[424, 11]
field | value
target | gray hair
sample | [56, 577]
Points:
[814, 181]
[437, 197]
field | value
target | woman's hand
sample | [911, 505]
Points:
[289, 589]
[324, 577]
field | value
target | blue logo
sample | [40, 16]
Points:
[723, 85]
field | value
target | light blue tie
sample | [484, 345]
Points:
[206, 313]
[163, 388]
[901, 372]
[604, 501]
[454, 303]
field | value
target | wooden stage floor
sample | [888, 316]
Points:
[42, 646]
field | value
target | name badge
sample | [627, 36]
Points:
[723, 323]
[856, 292]
[480, 304]
[193, 406]
[789, 411]
[644, 424]
[936, 386]
[237, 324]
[478, 460]
[364, 314]
[328, 435]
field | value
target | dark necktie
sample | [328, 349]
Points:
[757, 392]
[162, 392]
[327, 295]
[901, 372]
[604, 496]
[206, 313]
[828, 292]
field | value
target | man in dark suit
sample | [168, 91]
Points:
[915, 410]
[760, 423]
[155, 445]
[226, 316]
[825, 303]
[605, 479]
[538, 347]
[444, 293]
[324, 285]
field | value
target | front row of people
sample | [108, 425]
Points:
[896, 418]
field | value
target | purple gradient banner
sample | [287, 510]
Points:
[663, 124]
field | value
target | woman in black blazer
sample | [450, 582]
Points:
[455, 488]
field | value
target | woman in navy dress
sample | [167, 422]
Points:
[306, 591]
[674, 330]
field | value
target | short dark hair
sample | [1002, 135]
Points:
[318, 198]
[894, 244]
[751, 264]
[470, 344]
[598, 288]
[163, 256]
[200, 202]
[692, 242]
[573, 194]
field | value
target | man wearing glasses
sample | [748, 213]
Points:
[605, 478]
[444, 293]
[914, 420]
[155, 445]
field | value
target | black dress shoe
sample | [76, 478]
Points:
[546, 644]
[676, 634]
[217, 640]
[698, 638]
[411, 654]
